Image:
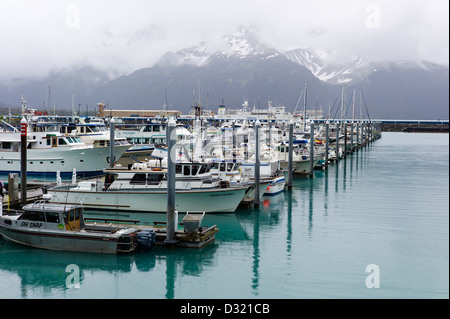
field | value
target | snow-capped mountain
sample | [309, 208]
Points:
[241, 44]
[315, 61]
[245, 43]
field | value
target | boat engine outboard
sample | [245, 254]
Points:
[146, 238]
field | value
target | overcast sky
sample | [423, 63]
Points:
[37, 36]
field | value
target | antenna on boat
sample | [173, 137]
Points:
[24, 104]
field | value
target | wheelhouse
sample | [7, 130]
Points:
[51, 216]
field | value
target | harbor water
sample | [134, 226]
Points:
[375, 225]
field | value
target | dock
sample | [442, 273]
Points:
[199, 238]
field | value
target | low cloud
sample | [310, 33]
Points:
[38, 37]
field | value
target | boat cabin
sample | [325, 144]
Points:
[42, 215]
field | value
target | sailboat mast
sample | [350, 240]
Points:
[304, 110]
[354, 97]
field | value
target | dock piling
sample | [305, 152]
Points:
[171, 148]
[23, 160]
[327, 141]
[112, 127]
[291, 151]
[344, 153]
[257, 164]
[311, 150]
[337, 142]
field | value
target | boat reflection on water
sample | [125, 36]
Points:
[37, 274]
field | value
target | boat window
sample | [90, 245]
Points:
[194, 169]
[202, 169]
[77, 213]
[34, 216]
[6, 145]
[71, 215]
[229, 167]
[52, 217]
[222, 167]
[138, 179]
[187, 170]
[215, 165]
[154, 179]
[178, 169]
[208, 168]
[61, 141]
[156, 128]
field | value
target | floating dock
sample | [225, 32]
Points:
[198, 238]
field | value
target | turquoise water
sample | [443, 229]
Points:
[385, 205]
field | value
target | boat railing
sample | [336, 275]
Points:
[12, 212]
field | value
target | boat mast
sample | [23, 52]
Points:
[354, 97]
[304, 110]
[342, 104]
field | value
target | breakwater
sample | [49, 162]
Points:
[415, 126]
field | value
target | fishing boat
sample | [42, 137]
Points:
[62, 227]
[144, 138]
[276, 186]
[49, 151]
[301, 162]
[272, 182]
[95, 132]
[141, 187]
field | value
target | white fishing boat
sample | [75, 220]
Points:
[95, 133]
[49, 151]
[276, 186]
[301, 162]
[62, 227]
[144, 138]
[144, 188]
[271, 181]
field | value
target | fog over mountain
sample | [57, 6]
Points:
[144, 53]
[239, 67]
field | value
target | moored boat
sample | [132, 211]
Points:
[144, 189]
[62, 227]
[276, 186]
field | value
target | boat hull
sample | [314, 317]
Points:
[276, 186]
[70, 241]
[300, 166]
[223, 200]
[46, 162]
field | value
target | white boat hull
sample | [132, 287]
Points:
[224, 200]
[300, 166]
[276, 186]
[56, 241]
[86, 161]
